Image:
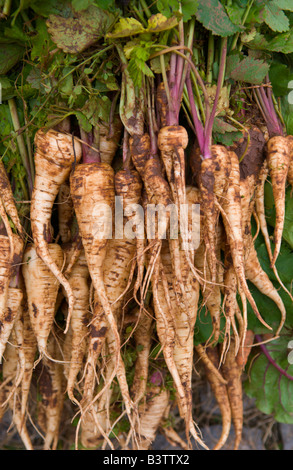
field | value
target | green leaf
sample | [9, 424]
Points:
[83, 121]
[80, 5]
[41, 42]
[284, 4]
[275, 18]
[97, 109]
[272, 391]
[167, 7]
[213, 16]
[74, 35]
[246, 69]
[222, 127]
[235, 12]
[126, 27]
[189, 8]
[228, 138]
[280, 75]
[51, 7]
[10, 54]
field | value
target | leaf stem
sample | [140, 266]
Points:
[21, 144]
[271, 360]
[210, 61]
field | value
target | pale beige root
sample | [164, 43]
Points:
[172, 140]
[211, 293]
[128, 186]
[9, 375]
[253, 270]
[210, 359]
[42, 290]
[30, 350]
[78, 280]
[8, 318]
[176, 333]
[230, 304]
[54, 157]
[142, 337]
[233, 375]
[290, 171]
[8, 199]
[5, 271]
[255, 274]
[109, 138]
[278, 158]
[243, 353]
[260, 211]
[75, 251]
[93, 195]
[9, 372]
[52, 390]
[151, 412]
[232, 219]
[212, 177]
[65, 212]
[115, 274]
[170, 434]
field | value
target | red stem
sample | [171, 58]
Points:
[271, 360]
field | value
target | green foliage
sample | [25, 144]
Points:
[218, 22]
[246, 69]
[273, 391]
[75, 34]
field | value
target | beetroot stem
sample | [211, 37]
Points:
[270, 359]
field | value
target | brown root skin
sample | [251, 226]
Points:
[213, 184]
[65, 212]
[140, 149]
[278, 158]
[30, 350]
[5, 271]
[252, 155]
[253, 270]
[143, 339]
[42, 289]
[233, 374]
[51, 388]
[243, 354]
[232, 219]
[54, 157]
[92, 185]
[109, 139]
[8, 199]
[174, 333]
[9, 371]
[8, 318]
[221, 395]
[78, 280]
[162, 104]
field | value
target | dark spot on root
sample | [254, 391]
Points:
[35, 310]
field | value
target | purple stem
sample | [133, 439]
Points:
[210, 122]
[270, 359]
[89, 155]
[197, 124]
[272, 121]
